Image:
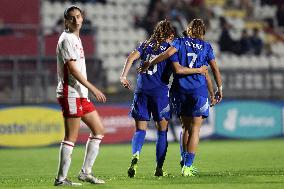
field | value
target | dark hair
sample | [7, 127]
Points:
[196, 28]
[70, 8]
[66, 14]
[163, 30]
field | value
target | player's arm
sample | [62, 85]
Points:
[71, 64]
[210, 89]
[161, 57]
[218, 80]
[178, 69]
[127, 65]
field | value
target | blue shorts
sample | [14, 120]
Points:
[190, 105]
[144, 106]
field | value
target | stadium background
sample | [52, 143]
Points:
[253, 81]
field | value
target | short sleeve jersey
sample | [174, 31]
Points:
[154, 81]
[192, 53]
[70, 47]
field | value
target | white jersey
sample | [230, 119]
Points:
[69, 47]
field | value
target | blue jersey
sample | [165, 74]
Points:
[154, 81]
[192, 53]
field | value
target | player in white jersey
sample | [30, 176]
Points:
[72, 95]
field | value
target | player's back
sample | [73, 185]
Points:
[154, 81]
[192, 53]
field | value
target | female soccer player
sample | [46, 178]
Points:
[151, 96]
[190, 96]
[72, 94]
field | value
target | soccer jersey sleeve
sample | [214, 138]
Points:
[67, 50]
[176, 44]
[174, 58]
[140, 48]
[210, 54]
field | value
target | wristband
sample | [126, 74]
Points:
[123, 77]
[220, 88]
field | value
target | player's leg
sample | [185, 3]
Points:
[139, 111]
[192, 123]
[177, 101]
[192, 130]
[193, 138]
[72, 126]
[72, 119]
[92, 119]
[183, 143]
[186, 154]
[160, 109]
[137, 144]
[138, 137]
[198, 113]
[161, 146]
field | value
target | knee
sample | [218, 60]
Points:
[163, 128]
[98, 131]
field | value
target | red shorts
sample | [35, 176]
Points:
[75, 107]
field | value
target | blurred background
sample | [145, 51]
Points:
[247, 37]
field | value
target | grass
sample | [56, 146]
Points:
[222, 164]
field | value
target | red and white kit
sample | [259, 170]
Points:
[71, 94]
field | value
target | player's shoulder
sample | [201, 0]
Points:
[204, 43]
[180, 39]
[142, 44]
[66, 36]
[207, 42]
[165, 44]
[207, 45]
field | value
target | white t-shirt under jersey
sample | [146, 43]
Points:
[70, 47]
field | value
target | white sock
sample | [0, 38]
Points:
[91, 153]
[65, 153]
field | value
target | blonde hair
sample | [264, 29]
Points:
[163, 30]
[196, 29]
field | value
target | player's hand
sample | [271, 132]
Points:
[218, 95]
[98, 94]
[144, 67]
[212, 100]
[125, 83]
[203, 70]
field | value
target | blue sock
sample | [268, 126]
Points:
[189, 157]
[138, 141]
[182, 161]
[161, 148]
